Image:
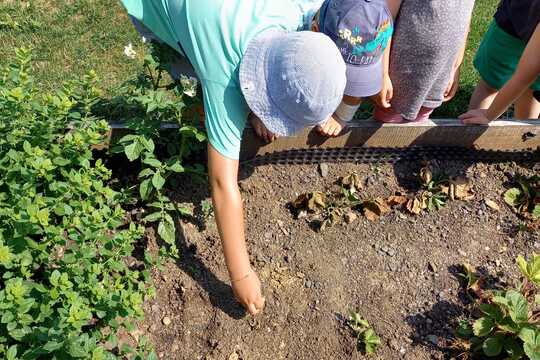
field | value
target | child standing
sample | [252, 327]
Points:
[427, 49]
[499, 54]
[362, 30]
[527, 72]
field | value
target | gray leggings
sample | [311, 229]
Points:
[180, 66]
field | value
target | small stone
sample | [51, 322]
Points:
[433, 339]
[268, 235]
[350, 217]
[308, 284]
[323, 170]
[234, 356]
[462, 253]
[402, 351]
[166, 321]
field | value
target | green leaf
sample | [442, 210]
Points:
[536, 211]
[492, 346]
[152, 356]
[153, 217]
[513, 196]
[371, 341]
[464, 329]
[532, 348]
[146, 173]
[513, 347]
[167, 232]
[527, 335]
[52, 346]
[522, 264]
[11, 354]
[152, 162]
[133, 151]
[483, 326]
[492, 311]
[176, 167]
[158, 181]
[518, 306]
[145, 189]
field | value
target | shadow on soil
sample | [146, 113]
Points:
[434, 328]
[220, 294]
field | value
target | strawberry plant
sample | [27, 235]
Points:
[508, 323]
[366, 337]
[69, 274]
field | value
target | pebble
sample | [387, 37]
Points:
[323, 170]
[308, 284]
[433, 339]
[166, 321]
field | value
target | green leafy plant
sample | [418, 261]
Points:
[525, 199]
[69, 277]
[367, 339]
[509, 320]
[154, 103]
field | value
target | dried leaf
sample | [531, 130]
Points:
[301, 201]
[396, 200]
[374, 209]
[353, 182]
[426, 175]
[316, 200]
[462, 189]
[414, 206]
[493, 205]
[350, 217]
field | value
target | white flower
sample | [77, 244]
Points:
[129, 52]
[143, 39]
[189, 84]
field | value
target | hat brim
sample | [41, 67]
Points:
[364, 81]
[254, 75]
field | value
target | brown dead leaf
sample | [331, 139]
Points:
[426, 175]
[316, 200]
[374, 209]
[310, 201]
[460, 189]
[493, 205]
[414, 206]
[353, 182]
[350, 217]
[396, 200]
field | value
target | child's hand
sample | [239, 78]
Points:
[478, 116]
[453, 86]
[248, 293]
[384, 98]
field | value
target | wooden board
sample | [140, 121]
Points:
[499, 135]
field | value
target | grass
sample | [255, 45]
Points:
[71, 37]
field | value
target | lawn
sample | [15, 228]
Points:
[72, 37]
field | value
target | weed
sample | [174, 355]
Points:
[367, 339]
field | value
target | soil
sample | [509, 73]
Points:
[399, 273]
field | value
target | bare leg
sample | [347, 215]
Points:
[527, 107]
[482, 96]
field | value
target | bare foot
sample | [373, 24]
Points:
[332, 127]
[260, 129]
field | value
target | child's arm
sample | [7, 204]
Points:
[223, 174]
[453, 85]
[526, 73]
[387, 93]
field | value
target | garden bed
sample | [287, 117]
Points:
[399, 273]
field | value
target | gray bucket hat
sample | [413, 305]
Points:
[292, 80]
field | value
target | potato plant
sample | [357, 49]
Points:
[151, 102]
[69, 278]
